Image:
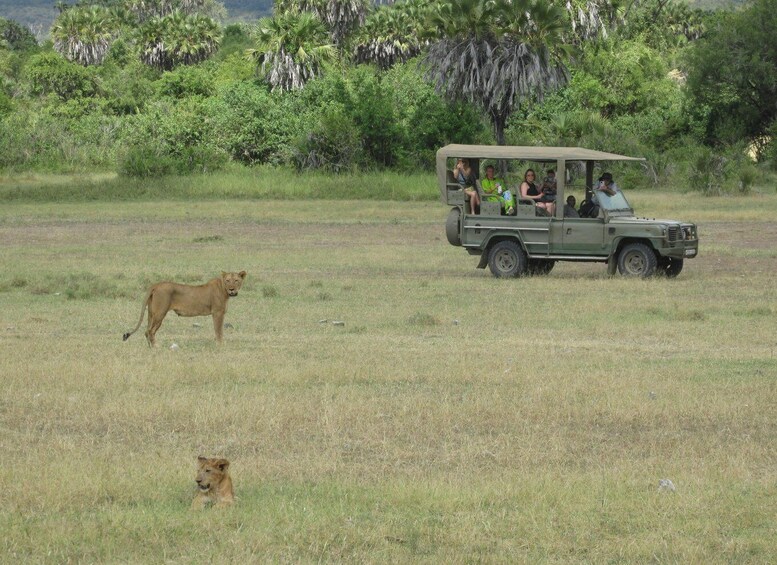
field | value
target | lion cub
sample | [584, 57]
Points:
[214, 485]
[209, 299]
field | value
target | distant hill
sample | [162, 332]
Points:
[38, 15]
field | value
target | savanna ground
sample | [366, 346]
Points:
[453, 418]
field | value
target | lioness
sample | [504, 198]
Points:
[214, 486]
[209, 299]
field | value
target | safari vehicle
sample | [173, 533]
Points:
[530, 241]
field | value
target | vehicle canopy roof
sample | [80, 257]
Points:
[528, 153]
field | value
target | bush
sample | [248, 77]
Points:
[49, 73]
[333, 144]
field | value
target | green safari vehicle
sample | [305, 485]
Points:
[526, 239]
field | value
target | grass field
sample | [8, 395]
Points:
[452, 418]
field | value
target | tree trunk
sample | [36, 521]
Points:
[499, 129]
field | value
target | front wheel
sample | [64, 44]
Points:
[637, 260]
[506, 259]
[670, 266]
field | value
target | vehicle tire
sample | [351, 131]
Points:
[670, 266]
[537, 267]
[452, 227]
[637, 260]
[506, 259]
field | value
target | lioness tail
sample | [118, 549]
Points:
[142, 313]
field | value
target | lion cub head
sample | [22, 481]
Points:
[214, 485]
[233, 281]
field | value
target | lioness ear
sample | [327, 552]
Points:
[242, 274]
[224, 274]
[201, 460]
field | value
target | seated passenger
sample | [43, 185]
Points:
[529, 190]
[549, 191]
[495, 190]
[464, 175]
[569, 208]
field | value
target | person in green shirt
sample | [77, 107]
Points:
[495, 190]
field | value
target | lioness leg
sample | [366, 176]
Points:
[157, 310]
[218, 325]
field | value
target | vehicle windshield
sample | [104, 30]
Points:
[615, 202]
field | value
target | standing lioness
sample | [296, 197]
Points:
[209, 299]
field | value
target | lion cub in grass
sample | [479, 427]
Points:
[214, 485]
[209, 299]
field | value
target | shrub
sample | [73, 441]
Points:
[49, 73]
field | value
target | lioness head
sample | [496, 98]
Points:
[233, 281]
[211, 472]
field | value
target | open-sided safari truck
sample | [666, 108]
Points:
[530, 241]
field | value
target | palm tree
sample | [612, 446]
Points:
[392, 34]
[83, 34]
[178, 39]
[497, 54]
[291, 48]
[341, 17]
[144, 10]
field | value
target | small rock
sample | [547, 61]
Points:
[196, 325]
[229, 326]
[666, 485]
[652, 395]
[323, 321]
[337, 323]
[57, 294]
[455, 322]
[174, 347]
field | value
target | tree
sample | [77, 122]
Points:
[392, 34]
[732, 73]
[291, 48]
[83, 35]
[16, 37]
[497, 54]
[178, 39]
[341, 17]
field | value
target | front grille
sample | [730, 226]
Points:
[673, 233]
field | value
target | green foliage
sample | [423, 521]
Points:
[732, 73]
[48, 73]
[375, 118]
[187, 81]
[333, 144]
[253, 125]
[179, 136]
[16, 37]
[620, 77]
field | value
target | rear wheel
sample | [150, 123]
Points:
[637, 260]
[506, 259]
[670, 266]
[452, 227]
[540, 266]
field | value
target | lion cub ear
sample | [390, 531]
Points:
[222, 464]
[202, 460]
[242, 274]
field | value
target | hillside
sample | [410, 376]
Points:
[39, 14]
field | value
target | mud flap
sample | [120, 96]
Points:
[483, 260]
[612, 264]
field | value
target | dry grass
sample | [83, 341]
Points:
[452, 418]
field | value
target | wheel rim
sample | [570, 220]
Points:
[635, 263]
[506, 261]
